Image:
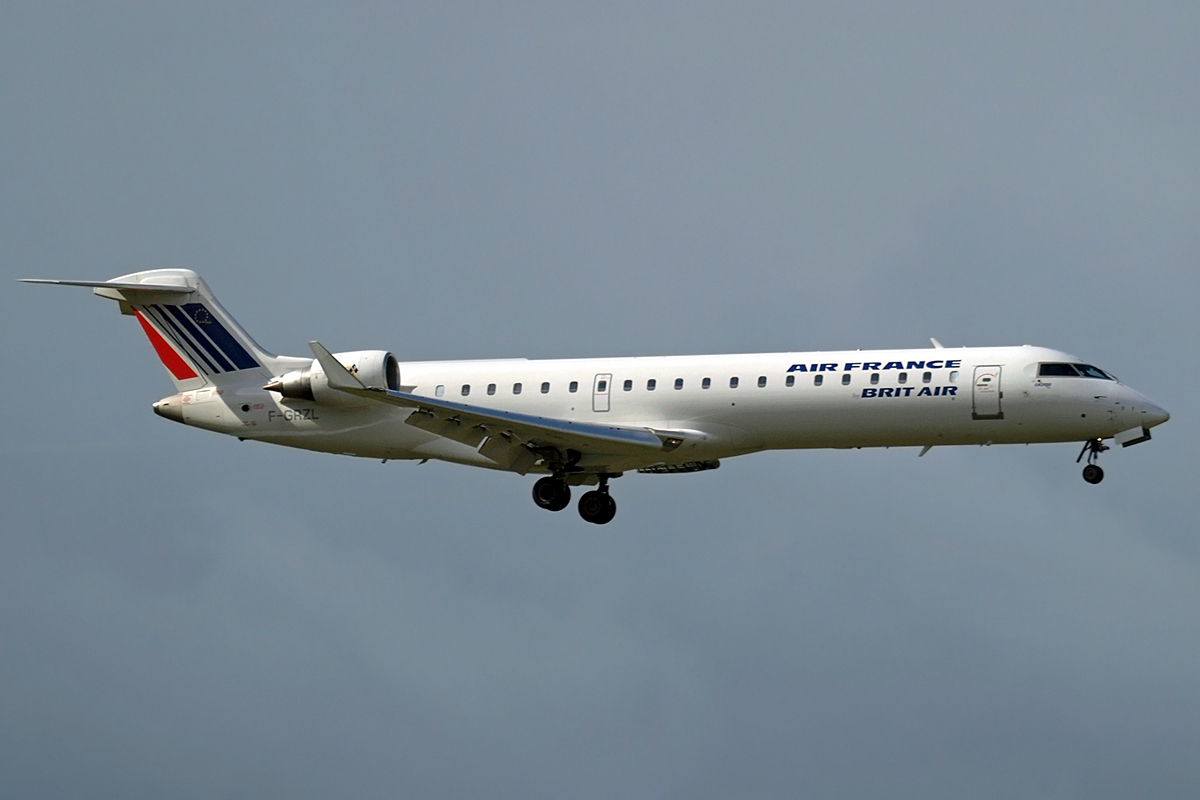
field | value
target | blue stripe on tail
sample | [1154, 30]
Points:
[191, 350]
[230, 346]
[186, 323]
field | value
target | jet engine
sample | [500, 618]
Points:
[374, 368]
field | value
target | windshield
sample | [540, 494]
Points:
[1073, 371]
[1055, 370]
[1088, 371]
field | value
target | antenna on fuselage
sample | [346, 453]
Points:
[937, 344]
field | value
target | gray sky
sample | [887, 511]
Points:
[182, 615]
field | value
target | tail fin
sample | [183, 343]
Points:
[197, 340]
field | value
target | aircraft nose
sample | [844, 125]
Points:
[1153, 414]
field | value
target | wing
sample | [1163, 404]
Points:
[513, 440]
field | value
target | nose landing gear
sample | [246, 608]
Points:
[1092, 448]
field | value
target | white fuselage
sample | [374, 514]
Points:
[879, 398]
[582, 422]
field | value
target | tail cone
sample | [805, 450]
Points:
[170, 407]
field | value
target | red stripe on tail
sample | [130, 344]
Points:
[178, 367]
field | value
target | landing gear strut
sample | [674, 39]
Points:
[597, 506]
[1092, 448]
[552, 493]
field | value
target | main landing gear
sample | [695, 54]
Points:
[1092, 448]
[552, 493]
[596, 506]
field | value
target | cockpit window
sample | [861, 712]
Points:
[1073, 370]
[1088, 371]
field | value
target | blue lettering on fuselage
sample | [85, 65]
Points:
[907, 391]
[813, 368]
[872, 366]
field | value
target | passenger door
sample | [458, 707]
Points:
[986, 394]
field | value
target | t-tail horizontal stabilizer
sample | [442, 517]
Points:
[182, 288]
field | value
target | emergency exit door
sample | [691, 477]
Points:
[601, 388]
[986, 394]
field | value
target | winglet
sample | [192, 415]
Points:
[937, 344]
[338, 376]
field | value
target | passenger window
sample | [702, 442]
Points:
[733, 382]
[927, 377]
[574, 387]
[874, 378]
[707, 382]
[602, 386]
[678, 383]
[651, 385]
[546, 387]
[791, 380]
[440, 390]
[491, 388]
[516, 388]
[762, 381]
[903, 377]
[1057, 370]
[466, 389]
[954, 376]
[818, 380]
[846, 379]
[628, 386]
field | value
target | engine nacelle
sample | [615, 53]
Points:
[375, 368]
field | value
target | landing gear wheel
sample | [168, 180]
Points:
[1092, 449]
[552, 494]
[597, 507]
[610, 510]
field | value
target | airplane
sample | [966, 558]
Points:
[585, 422]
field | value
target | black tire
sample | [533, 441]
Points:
[610, 510]
[597, 507]
[1093, 474]
[551, 494]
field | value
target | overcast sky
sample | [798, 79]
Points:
[184, 615]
